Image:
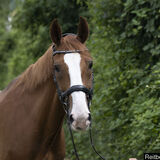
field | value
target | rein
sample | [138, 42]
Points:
[63, 96]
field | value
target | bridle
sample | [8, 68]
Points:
[64, 95]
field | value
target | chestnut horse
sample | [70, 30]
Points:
[31, 114]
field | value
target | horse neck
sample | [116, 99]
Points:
[38, 92]
[49, 112]
[49, 118]
[38, 81]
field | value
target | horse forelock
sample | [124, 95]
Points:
[70, 42]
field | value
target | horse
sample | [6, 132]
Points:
[32, 106]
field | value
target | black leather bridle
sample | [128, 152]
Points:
[64, 96]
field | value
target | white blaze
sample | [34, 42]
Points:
[79, 105]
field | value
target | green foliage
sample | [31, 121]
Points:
[125, 44]
[27, 36]
[34, 13]
[5, 41]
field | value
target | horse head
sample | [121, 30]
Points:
[72, 69]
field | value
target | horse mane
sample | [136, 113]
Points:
[38, 72]
[10, 84]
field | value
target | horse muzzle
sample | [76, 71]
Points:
[80, 123]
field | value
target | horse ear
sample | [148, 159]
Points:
[83, 30]
[55, 32]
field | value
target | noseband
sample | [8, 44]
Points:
[64, 95]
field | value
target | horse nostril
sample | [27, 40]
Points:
[89, 117]
[71, 118]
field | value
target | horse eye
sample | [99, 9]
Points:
[90, 65]
[57, 68]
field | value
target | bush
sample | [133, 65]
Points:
[28, 37]
[125, 46]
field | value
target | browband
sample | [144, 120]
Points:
[66, 51]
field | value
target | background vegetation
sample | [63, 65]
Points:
[125, 45]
